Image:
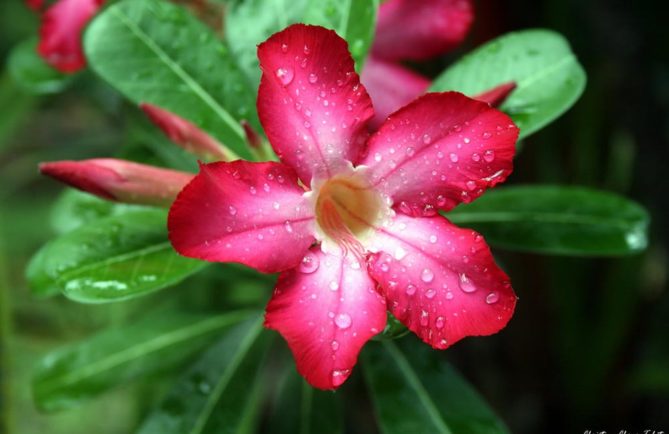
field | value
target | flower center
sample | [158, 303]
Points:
[347, 210]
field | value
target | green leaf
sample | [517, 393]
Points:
[557, 220]
[75, 208]
[547, 73]
[69, 376]
[353, 20]
[415, 391]
[299, 408]
[153, 51]
[111, 259]
[248, 23]
[220, 392]
[32, 73]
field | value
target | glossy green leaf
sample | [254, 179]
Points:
[415, 391]
[248, 23]
[220, 392]
[111, 259]
[32, 73]
[557, 220]
[299, 408]
[153, 51]
[73, 374]
[548, 76]
[353, 20]
[75, 208]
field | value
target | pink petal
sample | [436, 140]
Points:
[251, 213]
[440, 150]
[310, 102]
[391, 86]
[61, 31]
[326, 309]
[420, 29]
[441, 281]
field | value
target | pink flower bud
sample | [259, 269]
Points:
[185, 134]
[120, 180]
[497, 95]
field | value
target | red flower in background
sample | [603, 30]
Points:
[351, 220]
[61, 30]
[410, 30]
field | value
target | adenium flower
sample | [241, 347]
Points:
[410, 30]
[61, 30]
[350, 221]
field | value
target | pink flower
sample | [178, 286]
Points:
[350, 221]
[61, 30]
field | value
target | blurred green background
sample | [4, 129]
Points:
[588, 346]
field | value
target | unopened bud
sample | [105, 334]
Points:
[120, 180]
[497, 95]
[187, 135]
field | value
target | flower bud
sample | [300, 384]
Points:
[186, 135]
[497, 95]
[120, 180]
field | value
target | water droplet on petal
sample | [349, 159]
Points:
[410, 289]
[424, 318]
[333, 285]
[433, 239]
[453, 157]
[232, 210]
[309, 263]
[313, 78]
[492, 298]
[285, 75]
[489, 155]
[466, 284]
[339, 376]
[334, 345]
[343, 321]
[486, 135]
[427, 139]
[284, 47]
[427, 275]
[288, 227]
[430, 293]
[439, 323]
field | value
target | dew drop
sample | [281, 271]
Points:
[433, 239]
[427, 275]
[454, 157]
[334, 345]
[343, 321]
[439, 322]
[288, 227]
[285, 75]
[476, 157]
[284, 47]
[309, 263]
[339, 376]
[313, 78]
[232, 210]
[333, 286]
[466, 140]
[424, 318]
[492, 298]
[410, 151]
[430, 293]
[486, 135]
[449, 295]
[466, 284]
[410, 289]
[427, 139]
[489, 155]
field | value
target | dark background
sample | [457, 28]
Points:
[588, 346]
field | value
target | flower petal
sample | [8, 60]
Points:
[497, 95]
[251, 213]
[35, 5]
[420, 29]
[326, 309]
[391, 86]
[440, 150]
[61, 31]
[441, 281]
[310, 102]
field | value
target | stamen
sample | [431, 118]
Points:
[334, 227]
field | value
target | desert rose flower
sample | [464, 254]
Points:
[350, 221]
[61, 30]
[119, 180]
